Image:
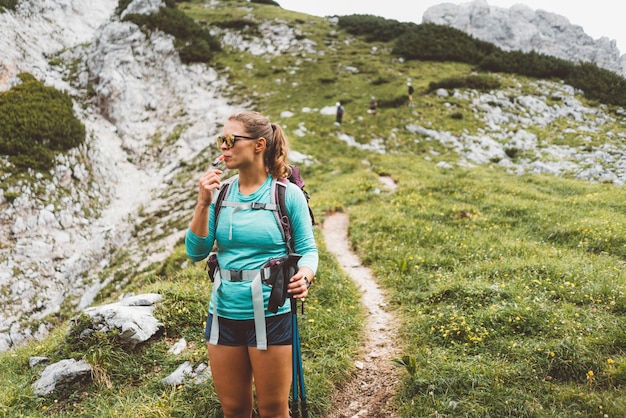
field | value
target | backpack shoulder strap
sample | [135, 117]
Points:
[279, 189]
[219, 200]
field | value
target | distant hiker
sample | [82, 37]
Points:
[373, 106]
[339, 113]
[410, 91]
[248, 342]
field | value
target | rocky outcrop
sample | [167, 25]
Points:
[131, 317]
[134, 323]
[522, 28]
[59, 234]
[60, 374]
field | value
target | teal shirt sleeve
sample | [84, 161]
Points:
[198, 248]
[302, 228]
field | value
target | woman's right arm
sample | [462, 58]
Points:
[199, 240]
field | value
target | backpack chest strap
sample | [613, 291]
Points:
[237, 206]
[252, 205]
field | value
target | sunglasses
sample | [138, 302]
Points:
[230, 140]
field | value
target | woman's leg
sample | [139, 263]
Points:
[232, 376]
[272, 379]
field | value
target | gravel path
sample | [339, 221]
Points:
[370, 392]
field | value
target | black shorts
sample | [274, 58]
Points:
[242, 332]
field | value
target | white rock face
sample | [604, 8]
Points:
[142, 89]
[40, 28]
[522, 28]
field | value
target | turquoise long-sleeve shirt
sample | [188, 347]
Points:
[246, 239]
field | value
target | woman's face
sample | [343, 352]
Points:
[244, 149]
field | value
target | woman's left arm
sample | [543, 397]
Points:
[304, 241]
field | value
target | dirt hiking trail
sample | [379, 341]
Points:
[369, 394]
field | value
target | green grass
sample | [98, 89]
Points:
[509, 290]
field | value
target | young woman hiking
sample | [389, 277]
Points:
[247, 342]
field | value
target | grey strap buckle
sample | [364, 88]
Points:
[236, 276]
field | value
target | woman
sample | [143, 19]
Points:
[245, 240]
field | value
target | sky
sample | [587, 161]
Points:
[598, 18]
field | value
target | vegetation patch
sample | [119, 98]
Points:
[193, 43]
[36, 123]
[483, 82]
[8, 5]
[433, 42]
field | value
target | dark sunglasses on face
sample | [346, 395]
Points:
[230, 140]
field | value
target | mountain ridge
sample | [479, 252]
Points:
[522, 28]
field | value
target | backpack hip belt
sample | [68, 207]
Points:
[244, 275]
[258, 304]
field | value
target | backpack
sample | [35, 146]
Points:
[277, 204]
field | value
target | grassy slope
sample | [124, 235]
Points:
[510, 289]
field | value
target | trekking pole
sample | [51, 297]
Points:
[303, 404]
[294, 359]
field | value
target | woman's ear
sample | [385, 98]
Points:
[261, 144]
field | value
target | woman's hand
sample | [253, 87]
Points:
[208, 183]
[299, 284]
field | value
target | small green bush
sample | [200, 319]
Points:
[477, 82]
[598, 83]
[194, 44]
[373, 28]
[240, 25]
[36, 123]
[531, 64]
[440, 43]
[8, 5]
[122, 5]
[270, 2]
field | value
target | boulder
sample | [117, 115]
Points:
[132, 317]
[62, 373]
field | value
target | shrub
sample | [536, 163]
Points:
[430, 42]
[270, 2]
[598, 83]
[240, 25]
[121, 6]
[531, 64]
[36, 123]
[194, 44]
[395, 102]
[373, 28]
[8, 5]
[477, 82]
